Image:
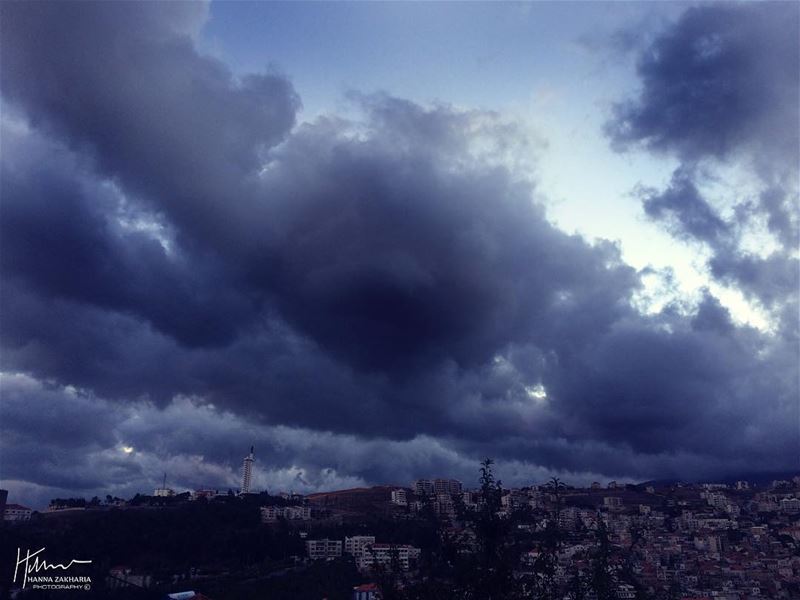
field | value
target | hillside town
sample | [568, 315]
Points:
[726, 541]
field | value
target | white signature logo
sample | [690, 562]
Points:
[38, 564]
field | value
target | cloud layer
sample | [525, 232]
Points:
[188, 271]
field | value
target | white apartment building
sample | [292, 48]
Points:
[323, 549]
[208, 494]
[626, 591]
[400, 497]
[382, 554]
[16, 512]
[423, 487]
[716, 524]
[790, 505]
[568, 517]
[514, 500]
[297, 512]
[358, 543]
[443, 506]
[717, 500]
[270, 514]
[446, 486]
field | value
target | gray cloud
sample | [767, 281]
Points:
[686, 213]
[723, 78]
[124, 85]
[720, 87]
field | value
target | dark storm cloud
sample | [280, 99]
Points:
[366, 300]
[49, 429]
[720, 87]
[62, 234]
[725, 76]
[392, 254]
[687, 214]
[783, 220]
[772, 279]
[536, 281]
[125, 84]
[712, 316]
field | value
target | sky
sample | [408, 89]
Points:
[382, 241]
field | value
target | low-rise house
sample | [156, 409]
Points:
[366, 591]
[17, 512]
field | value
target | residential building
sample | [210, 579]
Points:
[16, 512]
[324, 549]
[626, 591]
[271, 514]
[790, 505]
[386, 554]
[443, 506]
[400, 497]
[447, 486]
[197, 494]
[366, 591]
[470, 499]
[423, 487]
[355, 545]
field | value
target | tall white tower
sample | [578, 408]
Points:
[247, 471]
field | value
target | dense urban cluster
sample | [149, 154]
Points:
[436, 539]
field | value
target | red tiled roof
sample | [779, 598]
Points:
[366, 587]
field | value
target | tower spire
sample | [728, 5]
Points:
[247, 471]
